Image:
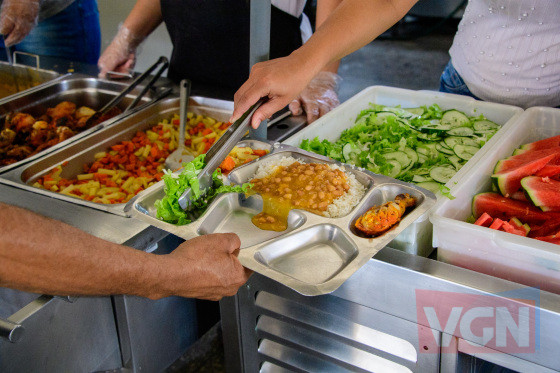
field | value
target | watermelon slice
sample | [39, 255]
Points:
[507, 227]
[496, 224]
[545, 229]
[519, 196]
[555, 238]
[519, 225]
[509, 180]
[484, 221]
[550, 209]
[518, 160]
[549, 170]
[543, 192]
[542, 144]
[506, 208]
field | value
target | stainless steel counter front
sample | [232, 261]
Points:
[371, 323]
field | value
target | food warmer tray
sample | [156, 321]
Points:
[81, 90]
[82, 151]
[27, 78]
[315, 255]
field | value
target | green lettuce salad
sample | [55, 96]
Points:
[424, 145]
[168, 208]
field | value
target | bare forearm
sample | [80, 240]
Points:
[144, 17]
[324, 9]
[353, 24]
[38, 254]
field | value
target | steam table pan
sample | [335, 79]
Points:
[315, 254]
[79, 89]
[82, 151]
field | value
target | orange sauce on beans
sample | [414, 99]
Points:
[312, 187]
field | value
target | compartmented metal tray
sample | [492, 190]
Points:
[315, 254]
[81, 90]
[27, 77]
[82, 151]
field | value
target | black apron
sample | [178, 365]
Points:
[211, 42]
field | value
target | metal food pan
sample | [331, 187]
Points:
[27, 77]
[315, 255]
[81, 90]
[82, 151]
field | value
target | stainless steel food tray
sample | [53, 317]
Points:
[315, 255]
[81, 90]
[82, 151]
[27, 78]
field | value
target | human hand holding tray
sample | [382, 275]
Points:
[315, 254]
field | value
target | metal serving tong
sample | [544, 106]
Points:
[111, 104]
[219, 151]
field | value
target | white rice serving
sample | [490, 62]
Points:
[340, 206]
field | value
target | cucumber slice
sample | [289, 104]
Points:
[435, 130]
[442, 143]
[395, 170]
[422, 171]
[454, 118]
[400, 157]
[442, 174]
[465, 151]
[428, 137]
[441, 149]
[411, 154]
[421, 179]
[400, 112]
[461, 131]
[485, 126]
[432, 186]
[455, 140]
[415, 110]
[456, 162]
[350, 153]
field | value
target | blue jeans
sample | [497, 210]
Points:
[73, 34]
[451, 82]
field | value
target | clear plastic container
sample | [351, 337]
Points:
[500, 254]
[417, 238]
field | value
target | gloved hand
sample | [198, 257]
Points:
[318, 98]
[120, 55]
[17, 19]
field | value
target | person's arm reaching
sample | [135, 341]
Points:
[42, 255]
[353, 24]
[320, 95]
[120, 55]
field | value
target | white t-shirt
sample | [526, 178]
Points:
[508, 51]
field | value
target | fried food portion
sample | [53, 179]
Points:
[379, 219]
[23, 135]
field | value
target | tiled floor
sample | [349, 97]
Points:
[413, 64]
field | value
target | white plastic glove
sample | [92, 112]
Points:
[318, 98]
[120, 55]
[17, 19]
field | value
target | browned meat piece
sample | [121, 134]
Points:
[19, 152]
[7, 137]
[64, 133]
[63, 110]
[20, 122]
[379, 219]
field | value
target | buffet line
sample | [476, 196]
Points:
[410, 170]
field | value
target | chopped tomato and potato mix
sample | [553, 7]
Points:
[128, 167]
